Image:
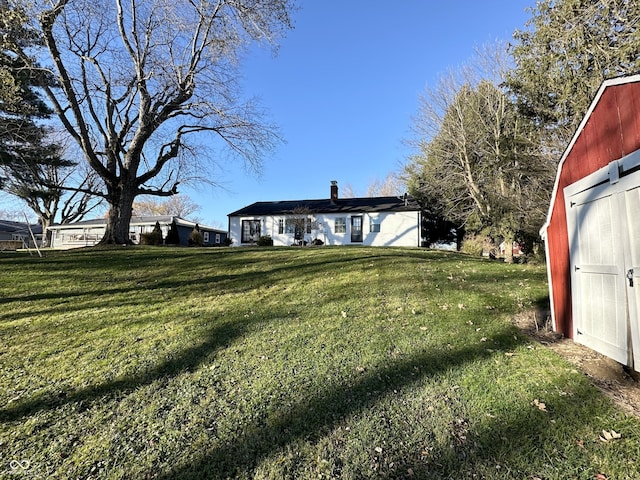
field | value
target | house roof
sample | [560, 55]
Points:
[342, 205]
[19, 227]
[149, 220]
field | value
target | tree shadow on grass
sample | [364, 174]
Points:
[316, 416]
[523, 442]
[188, 360]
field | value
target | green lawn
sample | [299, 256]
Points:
[289, 363]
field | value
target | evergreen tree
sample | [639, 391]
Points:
[173, 237]
[25, 153]
[154, 237]
[31, 164]
[568, 48]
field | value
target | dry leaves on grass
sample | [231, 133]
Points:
[541, 405]
[608, 435]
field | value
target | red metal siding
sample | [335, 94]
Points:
[611, 132]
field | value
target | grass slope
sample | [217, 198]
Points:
[289, 363]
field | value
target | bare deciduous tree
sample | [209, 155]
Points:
[478, 162]
[139, 80]
[390, 186]
[300, 223]
[179, 205]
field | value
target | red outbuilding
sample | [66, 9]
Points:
[592, 232]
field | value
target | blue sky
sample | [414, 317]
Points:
[344, 87]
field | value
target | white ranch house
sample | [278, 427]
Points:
[374, 221]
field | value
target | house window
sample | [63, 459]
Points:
[341, 225]
[250, 231]
[281, 226]
[217, 239]
[289, 225]
[205, 237]
[293, 225]
[374, 225]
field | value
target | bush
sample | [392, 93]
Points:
[476, 245]
[195, 237]
[227, 242]
[152, 238]
[317, 242]
[265, 241]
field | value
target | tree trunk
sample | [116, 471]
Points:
[119, 216]
[45, 221]
[508, 248]
[459, 238]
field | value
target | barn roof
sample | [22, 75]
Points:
[606, 84]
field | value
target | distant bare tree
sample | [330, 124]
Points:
[347, 191]
[391, 186]
[178, 205]
[11, 215]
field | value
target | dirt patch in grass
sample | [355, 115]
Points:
[616, 381]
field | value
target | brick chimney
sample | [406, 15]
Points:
[334, 191]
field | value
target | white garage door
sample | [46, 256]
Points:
[603, 219]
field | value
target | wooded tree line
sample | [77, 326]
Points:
[489, 135]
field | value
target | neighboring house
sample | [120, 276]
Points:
[14, 235]
[375, 221]
[517, 249]
[89, 232]
[593, 225]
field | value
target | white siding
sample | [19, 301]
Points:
[86, 235]
[399, 229]
[69, 237]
